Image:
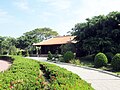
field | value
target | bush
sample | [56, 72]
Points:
[26, 53]
[22, 75]
[27, 74]
[61, 59]
[109, 56]
[20, 53]
[100, 60]
[68, 56]
[50, 56]
[116, 62]
[12, 50]
[75, 61]
[61, 79]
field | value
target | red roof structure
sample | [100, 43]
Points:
[57, 41]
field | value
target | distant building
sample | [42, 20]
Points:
[54, 44]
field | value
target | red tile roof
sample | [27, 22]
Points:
[57, 41]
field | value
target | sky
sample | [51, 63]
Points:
[20, 16]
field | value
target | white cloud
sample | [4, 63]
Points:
[88, 9]
[3, 13]
[22, 4]
[58, 4]
[5, 17]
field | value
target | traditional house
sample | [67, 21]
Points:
[54, 44]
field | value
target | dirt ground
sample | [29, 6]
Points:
[4, 65]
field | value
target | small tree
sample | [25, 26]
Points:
[116, 62]
[100, 60]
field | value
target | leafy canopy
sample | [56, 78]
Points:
[98, 34]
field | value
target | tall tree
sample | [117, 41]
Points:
[98, 34]
[34, 36]
[6, 43]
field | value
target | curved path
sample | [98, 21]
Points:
[98, 80]
[4, 65]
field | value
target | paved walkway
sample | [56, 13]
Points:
[98, 80]
[4, 65]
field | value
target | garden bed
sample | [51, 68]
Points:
[27, 74]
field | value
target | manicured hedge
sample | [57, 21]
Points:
[116, 62]
[23, 75]
[61, 79]
[27, 74]
[100, 60]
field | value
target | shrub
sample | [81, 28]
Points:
[27, 74]
[61, 79]
[27, 53]
[61, 59]
[109, 56]
[22, 75]
[20, 53]
[68, 56]
[50, 56]
[116, 62]
[12, 50]
[75, 61]
[100, 60]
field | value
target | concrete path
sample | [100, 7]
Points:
[98, 80]
[4, 65]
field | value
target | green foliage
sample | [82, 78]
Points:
[68, 56]
[25, 74]
[116, 62]
[75, 61]
[61, 79]
[100, 60]
[12, 50]
[20, 53]
[67, 47]
[50, 56]
[26, 53]
[88, 58]
[7, 43]
[34, 36]
[98, 34]
[60, 58]
[109, 56]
